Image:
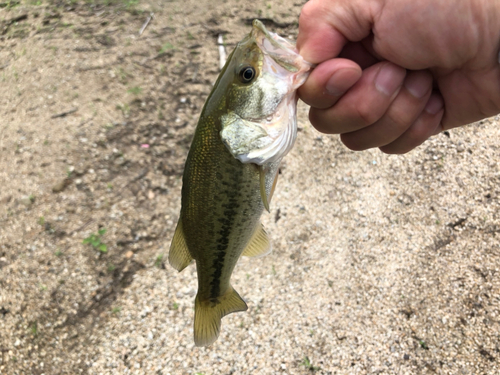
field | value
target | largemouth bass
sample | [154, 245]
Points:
[248, 124]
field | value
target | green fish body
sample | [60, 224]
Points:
[246, 127]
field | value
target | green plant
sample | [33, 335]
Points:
[34, 329]
[116, 310]
[306, 362]
[136, 90]
[124, 108]
[159, 260]
[130, 4]
[41, 220]
[111, 267]
[95, 241]
[175, 306]
[58, 253]
[423, 345]
[167, 46]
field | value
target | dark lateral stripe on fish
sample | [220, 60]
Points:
[231, 210]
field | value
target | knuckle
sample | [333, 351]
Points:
[367, 114]
[401, 119]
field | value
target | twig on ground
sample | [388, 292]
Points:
[86, 224]
[146, 23]
[222, 51]
[63, 114]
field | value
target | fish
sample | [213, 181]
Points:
[246, 127]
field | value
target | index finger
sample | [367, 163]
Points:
[326, 26]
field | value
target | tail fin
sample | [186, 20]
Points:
[208, 315]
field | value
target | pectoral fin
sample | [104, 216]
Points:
[208, 315]
[179, 256]
[266, 198]
[259, 245]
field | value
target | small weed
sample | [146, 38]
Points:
[110, 186]
[122, 75]
[136, 90]
[190, 36]
[330, 283]
[306, 362]
[42, 287]
[9, 4]
[58, 253]
[111, 267]
[167, 46]
[159, 261]
[116, 310]
[14, 359]
[41, 220]
[130, 4]
[34, 329]
[175, 306]
[124, 108]
[95, 241]
[423, 345]
[273, 270]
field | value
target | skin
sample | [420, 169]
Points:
[392, 73]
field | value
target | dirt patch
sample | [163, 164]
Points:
[381, 264]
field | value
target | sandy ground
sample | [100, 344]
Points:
[381, 264]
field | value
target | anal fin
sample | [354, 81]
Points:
[259, 244]
[179, 256]
[208, 315]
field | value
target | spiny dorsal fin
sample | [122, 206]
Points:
[263, 172]
[208, 315]
[259, 244]
[179, 256]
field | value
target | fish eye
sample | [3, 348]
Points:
[247, 74]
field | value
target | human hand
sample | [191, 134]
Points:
[391, 73]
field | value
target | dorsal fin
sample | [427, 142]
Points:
[259, 244]
[179, 256]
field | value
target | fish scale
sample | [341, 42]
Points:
[246, 127]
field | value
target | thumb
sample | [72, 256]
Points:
[326, 26]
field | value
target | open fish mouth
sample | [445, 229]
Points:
[269, 135]
[281, 50]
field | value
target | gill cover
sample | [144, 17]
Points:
[260, 123]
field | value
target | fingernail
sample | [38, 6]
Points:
[435, 104]
[389, 79]
[418, 85]
[333, 88]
